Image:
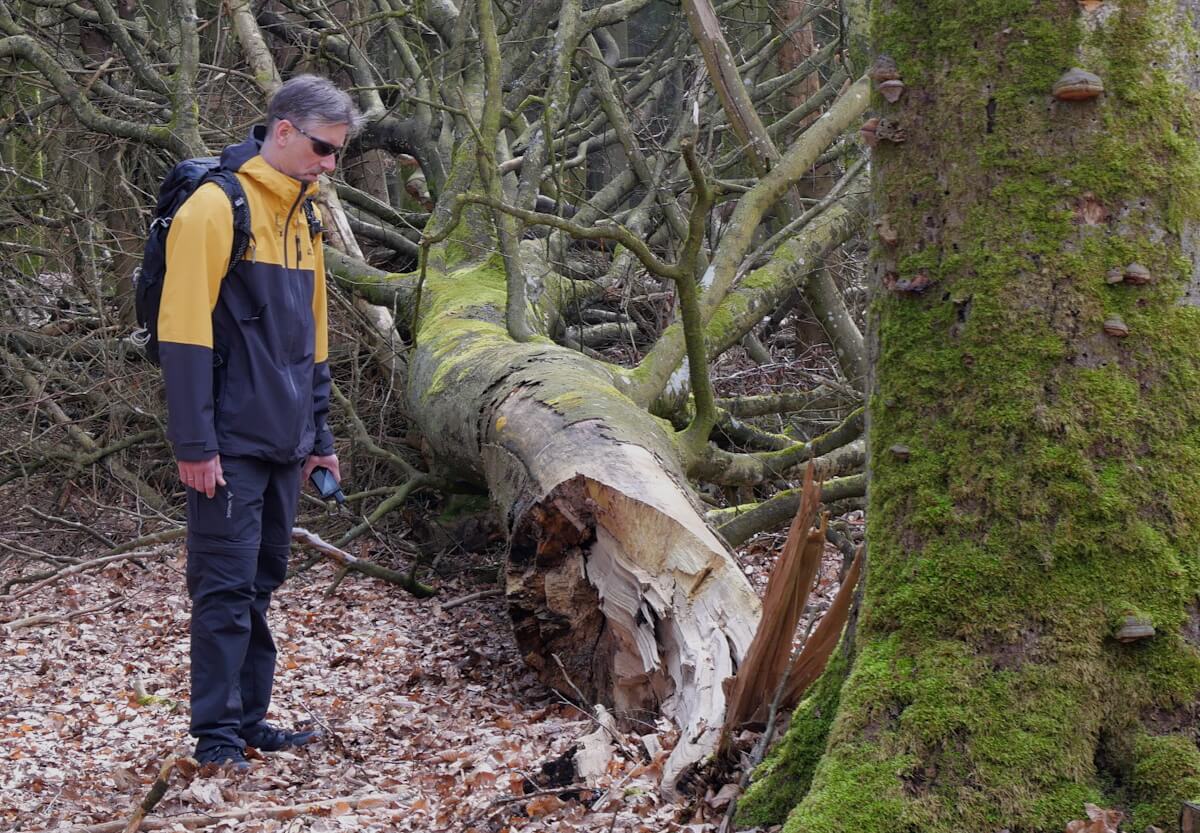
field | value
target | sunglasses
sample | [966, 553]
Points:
[319, 146]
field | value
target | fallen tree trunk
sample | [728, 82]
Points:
[617, 588]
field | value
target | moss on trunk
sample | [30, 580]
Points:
[785, 776]
[1052, 486]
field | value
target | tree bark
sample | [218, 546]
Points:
[1032, 502]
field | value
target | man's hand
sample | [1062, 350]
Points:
[202, 475]
[329, 461]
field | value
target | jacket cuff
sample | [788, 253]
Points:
[323, 437]
[194, 452]
[188, 378]
[323, 446]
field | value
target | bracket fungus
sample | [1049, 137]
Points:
[889, 130]
[1137, 275]
[1133, 629]
[915, 285]
[1116, 328]
[867, 131]
[884, 69]
[1077, 85]
[891, 90]
[888, 236]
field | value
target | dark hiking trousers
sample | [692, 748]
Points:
[237, 555]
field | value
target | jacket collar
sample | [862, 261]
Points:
[245, 158]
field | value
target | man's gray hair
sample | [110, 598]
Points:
[310, 99]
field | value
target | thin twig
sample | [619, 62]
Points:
[617, 739]
[314, 808]
[473, 597]
[157, 790]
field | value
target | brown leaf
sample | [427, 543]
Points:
[543, 805]
[1090, 210]
[1099, 821]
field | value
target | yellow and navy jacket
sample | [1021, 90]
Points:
[244, 351]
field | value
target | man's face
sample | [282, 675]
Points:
[307, 152]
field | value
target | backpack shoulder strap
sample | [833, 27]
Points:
[228, 182]
[314, 222]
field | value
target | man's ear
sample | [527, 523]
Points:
[281, 131]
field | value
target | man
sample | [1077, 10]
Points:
[243, 355]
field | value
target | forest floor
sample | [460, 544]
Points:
[433, 722]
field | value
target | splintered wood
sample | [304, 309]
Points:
[769, 667]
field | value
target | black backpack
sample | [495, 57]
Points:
[179, 184]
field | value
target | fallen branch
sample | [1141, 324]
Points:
[359, 565]
[472, 597]
[827, 395]
[37, 389]
[55, 619]
[288, 811]
[720, 466]
[80, 460]
[161, 537]
[157, 790]
[79, 568]
[738, 523]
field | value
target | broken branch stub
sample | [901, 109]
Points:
[788, 589]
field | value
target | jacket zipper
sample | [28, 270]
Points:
[287, 225]
[291, 283]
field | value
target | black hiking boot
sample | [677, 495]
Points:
[223, 756]
[266, 738]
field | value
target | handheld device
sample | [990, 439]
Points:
[326, 485]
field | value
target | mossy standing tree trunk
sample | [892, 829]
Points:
[1046, 496]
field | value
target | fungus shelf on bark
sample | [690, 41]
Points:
[867, 131]
[1116, 328]
[1077, 85]
[913, 285]
[1134, 629]
[891, 90]
[1137, 275]
[888, 236]
[884, 69]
